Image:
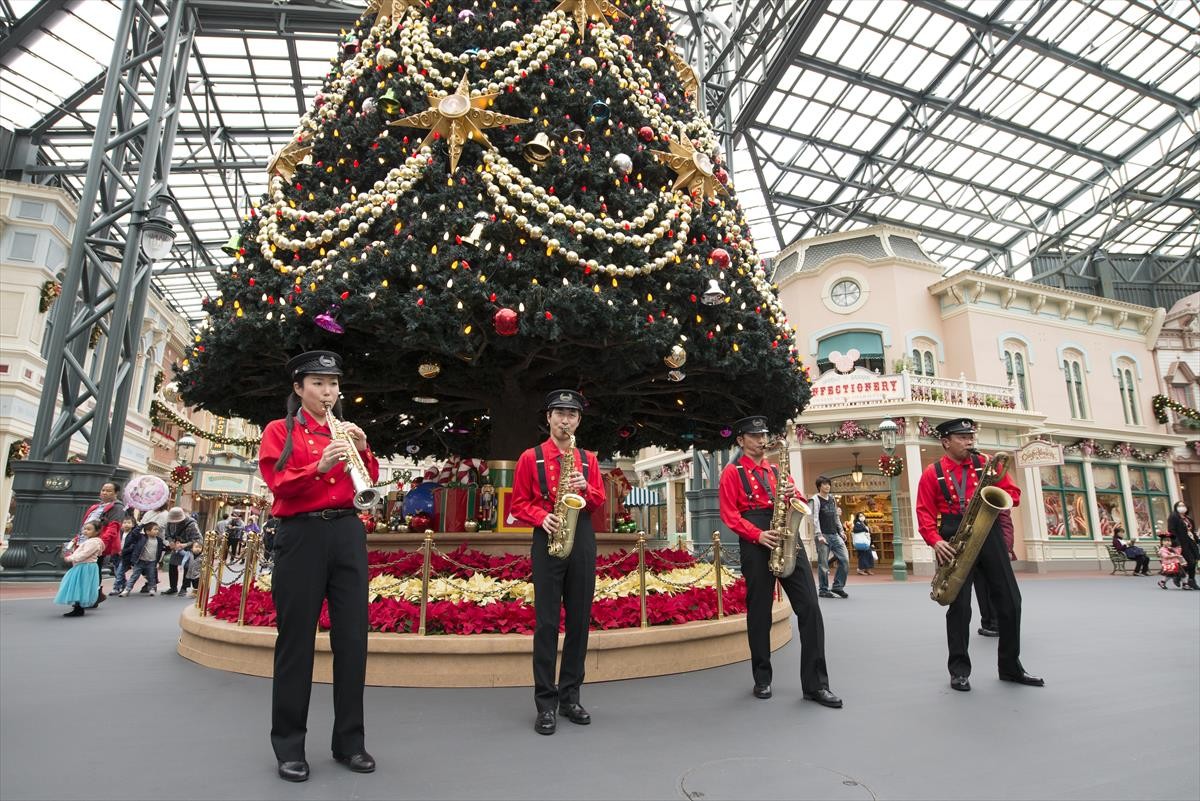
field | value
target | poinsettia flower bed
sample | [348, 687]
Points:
[495, 596]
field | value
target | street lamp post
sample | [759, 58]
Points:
[185, 447]
[887, 437]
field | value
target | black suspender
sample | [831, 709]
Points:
[750, 490]
[943, 482]
[541, 468]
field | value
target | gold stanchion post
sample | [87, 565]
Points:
[641, 547]
[717, 572]
[207, 555]
[250, 557]
[426, 553]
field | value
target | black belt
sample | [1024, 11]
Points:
[327, 514]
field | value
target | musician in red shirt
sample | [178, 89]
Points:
[943, 493]
[559, 583]
[320, 553]
[747, 496]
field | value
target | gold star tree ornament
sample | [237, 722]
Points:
[284, 162]
[458, 117]
[693, 168]
[583, 10]
[684, 72]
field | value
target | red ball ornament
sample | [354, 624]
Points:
[722, 176]
[505, 322]
[646, 133]
[720, 258]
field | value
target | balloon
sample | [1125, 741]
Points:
[146, 493]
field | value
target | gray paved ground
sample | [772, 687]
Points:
[102, 707]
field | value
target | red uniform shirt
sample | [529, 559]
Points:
[931, 502]
[528, 506]
[298, 487]
[733, 496]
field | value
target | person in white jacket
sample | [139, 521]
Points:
[831, 539]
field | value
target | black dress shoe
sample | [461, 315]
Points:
[960, 683]
[825, 698]
[362, 762]
[545, 723]
[986, 632]
[762, 690]
[1023, 678]
[294, 771]
[575, 713]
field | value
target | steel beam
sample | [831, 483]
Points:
[32, 22]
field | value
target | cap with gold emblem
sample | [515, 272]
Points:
[963, 425]
[754, 424]
[323, 362]
[564, 399]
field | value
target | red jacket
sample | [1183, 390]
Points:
[931, 501]
[528, 505]
[298, 487]
[110, 525]
[733, 495]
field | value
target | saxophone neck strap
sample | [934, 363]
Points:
[544, 485]
[959, 487]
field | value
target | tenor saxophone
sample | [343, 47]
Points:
[567, 506]
[787, 518]
[987, 502]
[365, 496]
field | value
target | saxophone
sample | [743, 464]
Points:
[787, 518]
[987, 502]
[365, 496]
[567, 506]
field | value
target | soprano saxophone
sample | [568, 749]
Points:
[787, 518]
[365, 496]
[567, 506]
[987, 502]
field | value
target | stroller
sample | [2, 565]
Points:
[1172, 567]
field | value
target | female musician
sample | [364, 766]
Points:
[559, 583]
[320, 553]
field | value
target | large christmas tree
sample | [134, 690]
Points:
[488, 201]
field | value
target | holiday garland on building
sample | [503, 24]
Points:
[1162, 404]
[160, 412]
[891, 466]
[17, 451]
[50, 292]
[486, 203]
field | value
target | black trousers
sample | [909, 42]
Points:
[801, 591]
[1004, 597]
[316, 560]
[562, 585]
[987, 615]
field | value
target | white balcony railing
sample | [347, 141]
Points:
[866, 389]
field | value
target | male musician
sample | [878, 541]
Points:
[559, 583]
[747, 495]
[320, 552]
[943, 495]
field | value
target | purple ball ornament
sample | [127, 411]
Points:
[328, 320]
[660, 98]
[466, 15]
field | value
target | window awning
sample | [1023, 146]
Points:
[868, 343]
[640, 496]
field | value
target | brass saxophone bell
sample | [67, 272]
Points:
[537, 150]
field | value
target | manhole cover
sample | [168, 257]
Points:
[768, 778]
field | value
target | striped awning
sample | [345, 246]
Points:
[640, 496]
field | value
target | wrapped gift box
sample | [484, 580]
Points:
[455, 506]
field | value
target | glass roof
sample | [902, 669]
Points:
[999, 131]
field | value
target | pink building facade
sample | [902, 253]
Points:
[887, 337]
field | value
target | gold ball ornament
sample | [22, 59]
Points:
[429, 370]
[588, 63]
[676, 358]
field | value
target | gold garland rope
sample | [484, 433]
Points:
[160, 411]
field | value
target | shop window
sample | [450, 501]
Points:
[1128, 389]
[1065, 502]
[1151, 502]
[1072, 367]
[1014, 367]
[1110, 502]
